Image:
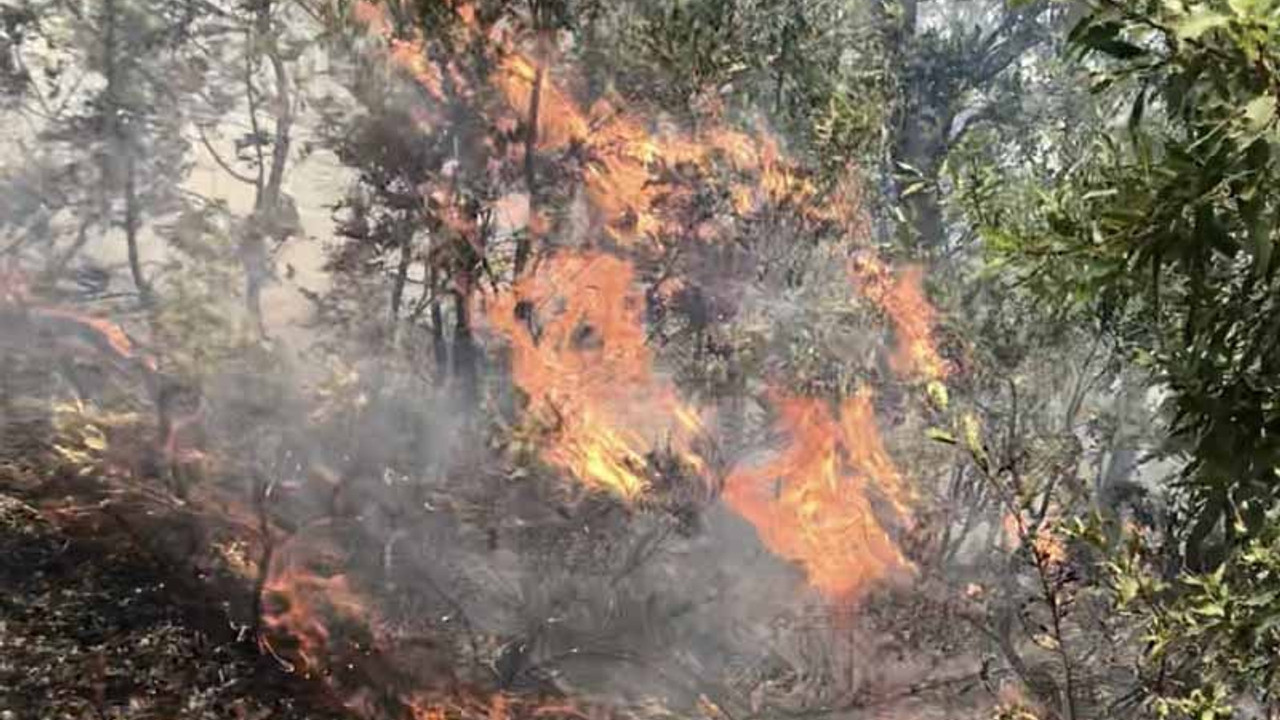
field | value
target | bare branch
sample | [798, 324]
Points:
[1024, 32]
[204, 140]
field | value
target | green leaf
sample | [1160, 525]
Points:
[1099, 194]
[973, 440]
[1139, 109]
[1200, 21]
[1270, 621]
[910, 169]
[94, 439]
[1262, 599]
[1211, 609]
[913, 188]
[1105, 38]
[1243, 8]
[940, 435]
[937, 393]
[1126, 589]
[1264, 248]
[1260, 111]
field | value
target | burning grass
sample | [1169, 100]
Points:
[430, 598]
[88, 628]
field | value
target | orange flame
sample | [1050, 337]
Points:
[302, 606]
[589, 369]
[814, 503]
[108, 333]
[100, 332]
[903, 299]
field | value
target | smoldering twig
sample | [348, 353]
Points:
[261, 497]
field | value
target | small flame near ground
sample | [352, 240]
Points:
[306, 606]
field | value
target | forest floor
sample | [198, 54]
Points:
[91, 631]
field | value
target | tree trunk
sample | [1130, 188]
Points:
[268, 200]
[254, 252]
[464, 351]
[929, 105]
[120, 149]
[401, 278]
[58, 264]
[439, 348]
[1123, 451]
[524, 246]
[131, 212]
[918, 155]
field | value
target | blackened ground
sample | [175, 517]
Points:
[90, 632]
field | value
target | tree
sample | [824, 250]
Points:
[1166, 231]
[258, 77]
[106, 109]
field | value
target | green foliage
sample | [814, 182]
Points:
[82, 435]
[850, 126]
[199, 326]
[79, 442]
[1169, 237]
[694, 43]
[1165, 231]
[1206, 633]
[815, 68]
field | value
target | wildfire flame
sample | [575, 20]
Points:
[826, 499]
[813, 503]
[902, 298]
[102, 332]
[15, 294]
[589, 369]
[582, 358]
[303, 606]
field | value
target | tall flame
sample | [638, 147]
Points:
[589, 369]
[814, 504]
[903, 299]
